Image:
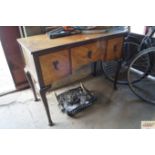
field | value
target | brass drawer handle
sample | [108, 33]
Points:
[89, 54]
[55, 64]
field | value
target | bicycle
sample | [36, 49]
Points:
[145, 87]
[116, 70]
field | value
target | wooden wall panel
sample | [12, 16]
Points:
[8, 36]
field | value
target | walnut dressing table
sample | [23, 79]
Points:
[48, 60]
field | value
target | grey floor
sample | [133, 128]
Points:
[113, 109]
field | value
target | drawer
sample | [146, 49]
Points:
[86, 54]
[114, 49]
[54, 66]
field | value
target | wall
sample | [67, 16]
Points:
[8, 36]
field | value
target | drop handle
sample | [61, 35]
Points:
[55, 64]
[89, 54]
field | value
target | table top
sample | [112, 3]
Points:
[42, 42]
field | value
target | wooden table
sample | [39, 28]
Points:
[48, 60]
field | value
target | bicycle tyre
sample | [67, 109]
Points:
[137, 88]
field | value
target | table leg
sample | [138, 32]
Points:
[94, 68]
[119, 65]
[44, 99]
[30, 81]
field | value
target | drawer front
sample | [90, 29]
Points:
[54, 66]
[86, 54]
[114, 49]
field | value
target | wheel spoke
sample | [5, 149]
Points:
[141, 67]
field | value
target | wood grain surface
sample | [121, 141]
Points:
[86, 54]
[114, 49]
[54, 66]
[42, 42]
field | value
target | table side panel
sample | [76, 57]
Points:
[29, 64]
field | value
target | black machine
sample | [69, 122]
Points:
[62, 32]
[75, 100]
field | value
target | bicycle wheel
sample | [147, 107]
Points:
[109, 68]
[145, 72]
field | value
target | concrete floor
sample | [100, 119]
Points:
[113, 109]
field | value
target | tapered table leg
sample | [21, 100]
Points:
[44, 99]
[30, 81]
[94, 68]
[117, 73]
